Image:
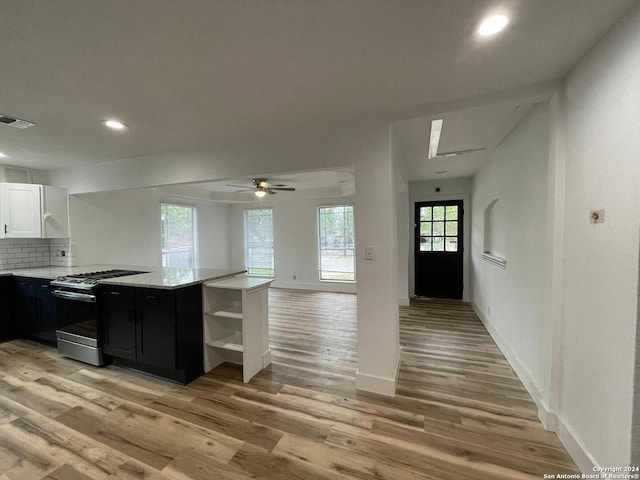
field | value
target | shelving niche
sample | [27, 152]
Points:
[235, 325]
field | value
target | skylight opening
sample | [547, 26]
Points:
[434, 137]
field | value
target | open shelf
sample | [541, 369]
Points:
[233, 342]
[236, 324]
[229, 311]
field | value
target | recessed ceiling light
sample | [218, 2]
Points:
[492, 25]
[115, 124]
[2, 154]
[434, 137]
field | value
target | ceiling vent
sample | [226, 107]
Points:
[15, 122]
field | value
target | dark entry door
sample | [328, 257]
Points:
[438, 249]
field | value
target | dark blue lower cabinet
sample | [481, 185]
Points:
[6, 308]
[158, 331]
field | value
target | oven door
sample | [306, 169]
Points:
[78, 333]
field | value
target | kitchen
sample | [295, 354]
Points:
[236, 91]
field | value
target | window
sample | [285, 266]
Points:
[336, 232]
[258, 239]
[439, 228]
[178, 246]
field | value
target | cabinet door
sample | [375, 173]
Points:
[46, 316]
[6, 308]
[20, 210]
[55, 212]
[156, 327]
[25, 307]
[117, 312]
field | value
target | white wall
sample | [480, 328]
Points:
[600, 286]
[124, 228]
[511, 301]
[450, 189]
[295, 230]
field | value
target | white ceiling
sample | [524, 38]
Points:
[195, 72]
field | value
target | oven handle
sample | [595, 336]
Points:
[80, 297]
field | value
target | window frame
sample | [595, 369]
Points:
[194, 232]
[319, 245]
[246, 243]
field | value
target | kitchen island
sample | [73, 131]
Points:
[154, 277]
[149, 321]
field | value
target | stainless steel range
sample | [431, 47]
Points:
[79, 334]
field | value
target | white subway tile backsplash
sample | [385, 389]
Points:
[26, 253]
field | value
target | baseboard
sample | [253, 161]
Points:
[266, 359]
[404, 302]
[550, 420]
[319, 287]
[575, 448]
[547, 418]
[379, 385]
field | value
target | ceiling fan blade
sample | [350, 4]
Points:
[240, 186]
[270, 191]
[284, 189]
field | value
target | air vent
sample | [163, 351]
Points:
[15, 122]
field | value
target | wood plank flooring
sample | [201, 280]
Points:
[460, 411]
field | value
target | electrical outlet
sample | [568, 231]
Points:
[596, 216]
[63, 253]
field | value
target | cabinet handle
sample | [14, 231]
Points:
[44, 286]
[6, 228]
[151, 297]
[114, 293]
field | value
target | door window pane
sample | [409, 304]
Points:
[438, 213]
[425, 213]
[452, 244]
[425, 244]
[438, 244]
[336, 243]
[452, 212]
[177, 230]
[425, 228]
[258, 237]
[438, 228]
[452, 229]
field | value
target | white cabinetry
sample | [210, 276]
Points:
[33, 211]
[236, 324]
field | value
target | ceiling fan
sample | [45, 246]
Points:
[262, 187]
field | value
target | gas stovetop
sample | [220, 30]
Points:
[89, 280]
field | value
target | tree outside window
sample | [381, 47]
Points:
[336, 243]
[178, 246]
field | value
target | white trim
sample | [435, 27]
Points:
[575, 448]
[546, 417]
[266, 359]
[320, 287]
[380, 385]
[404, 302]
[495, 260]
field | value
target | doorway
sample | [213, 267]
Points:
[439, 249]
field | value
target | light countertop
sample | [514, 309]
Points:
[168, 277]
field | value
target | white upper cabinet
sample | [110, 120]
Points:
[33, 211]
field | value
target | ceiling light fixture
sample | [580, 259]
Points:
[492, 25]
[2, 155]
[115, 124]
[434, 137]
[259, 193]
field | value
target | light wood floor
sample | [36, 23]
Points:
[460, 412]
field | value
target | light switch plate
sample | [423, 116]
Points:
[368, 253]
